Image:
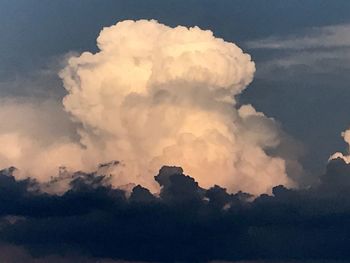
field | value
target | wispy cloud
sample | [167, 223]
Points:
[320, 37]
[322, 50]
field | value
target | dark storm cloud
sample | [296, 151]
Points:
[186, 222]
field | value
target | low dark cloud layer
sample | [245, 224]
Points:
[288, 86]
[184, 223]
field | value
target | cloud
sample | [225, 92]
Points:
[317, 50]
[37, 137]
[308, 71]
[344, 157]
[167, 97]
[147, 100]
[335, 36]
[93, 221]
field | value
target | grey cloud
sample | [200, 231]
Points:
[93, 221]
[319, 37]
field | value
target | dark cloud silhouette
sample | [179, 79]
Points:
[141, 195]
[185, 222]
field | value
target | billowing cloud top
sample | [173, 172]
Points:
[156, 95]
[152, 95]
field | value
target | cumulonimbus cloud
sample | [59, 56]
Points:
[155, 95]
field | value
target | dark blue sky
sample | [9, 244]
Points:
[311, 106]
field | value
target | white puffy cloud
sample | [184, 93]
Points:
[155, 95]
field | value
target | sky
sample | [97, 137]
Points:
[279, 70]
[309, 102]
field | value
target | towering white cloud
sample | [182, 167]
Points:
[155, 95]
[151, 96]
